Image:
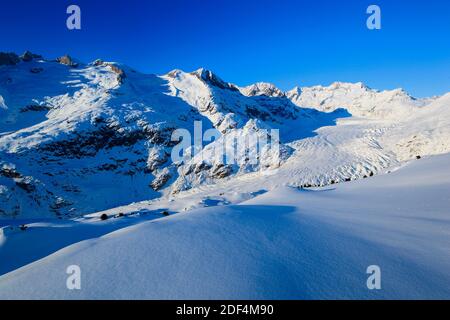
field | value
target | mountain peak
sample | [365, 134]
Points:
[210, 78]
[296, 91]
[348, 85]
[11, 58]
[262, 89]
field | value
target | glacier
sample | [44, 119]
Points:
[86, 178]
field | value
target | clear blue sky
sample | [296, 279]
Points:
[287, 42]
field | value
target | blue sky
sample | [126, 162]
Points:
[287, 42]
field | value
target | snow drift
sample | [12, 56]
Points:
[284, 244]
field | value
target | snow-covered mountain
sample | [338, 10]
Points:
[283, 244]
[262, 89]
[80, 138]
[358, 99]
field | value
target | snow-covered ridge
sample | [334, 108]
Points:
[358, 99]
[262, 89]
[72, 135]
[283, 243]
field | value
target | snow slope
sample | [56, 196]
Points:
[285, 243]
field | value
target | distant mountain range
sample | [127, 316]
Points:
[80, 138]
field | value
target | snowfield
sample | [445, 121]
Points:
[87, 179]
[284, 244]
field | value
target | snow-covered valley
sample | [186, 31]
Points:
[363, 179]
[286, 243]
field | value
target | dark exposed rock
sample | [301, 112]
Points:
[120, 73]
[108, 167]
[27, 56]
[155, 160]
[105, 137]
[284, 109]
[255, 113]
[25, 184]
[8, 59]
[160, 181]
[199, 167]
[34, 107]
[213, 80]
[60, 203]
[9, 173]
[173, 73]
[221, 171]
[114, 68]
[67, 60]
[71, 188]
[36, 70]
[98, 62]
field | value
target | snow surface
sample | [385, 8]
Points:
[286, 243]
[79, 142]
[71, 138]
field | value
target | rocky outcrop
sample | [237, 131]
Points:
[35, 107]
[210, 78]
[160, 180]
[105, 136]
[28, 56]
[121, 75]
[221, 171]
[9, 172]
[67, 60]
[8, 59]
[262, 89]
[36, 70]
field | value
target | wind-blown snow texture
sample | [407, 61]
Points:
[80, 141]
[286, 243]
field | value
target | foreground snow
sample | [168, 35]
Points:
[285, 243]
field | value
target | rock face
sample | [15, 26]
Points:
[212, 79]
[262, 89]
[121, 75]
[8, 59]
[161, 180]
[27, 56]
[67, 60]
